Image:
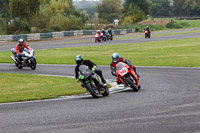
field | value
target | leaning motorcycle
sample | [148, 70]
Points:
[127, 76]
[92, 82]
[28, 59]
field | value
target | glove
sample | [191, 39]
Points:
[93, 69]
[21, 55]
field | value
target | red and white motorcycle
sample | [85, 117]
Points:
[98, 38]
[127, 76]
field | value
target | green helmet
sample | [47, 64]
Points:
[79, 59]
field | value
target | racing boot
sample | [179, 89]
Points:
[104, 82]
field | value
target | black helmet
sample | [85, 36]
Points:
[21, 41]
[79, 59]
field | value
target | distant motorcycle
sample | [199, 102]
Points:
[98, 38]
[28, 59]
[127, 76]
[104, 38]
[147, 34]
[109, 37]
[92, 82]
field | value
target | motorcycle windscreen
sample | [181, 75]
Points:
[120, 66]
[85, 71]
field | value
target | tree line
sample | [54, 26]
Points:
[29, 16]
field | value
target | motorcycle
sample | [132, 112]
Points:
[127, 76]
[92, 82]
[109, 37]
[98, 38]
[104, 38]
[147, 34]
[28, 59]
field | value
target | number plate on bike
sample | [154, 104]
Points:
[123, 71]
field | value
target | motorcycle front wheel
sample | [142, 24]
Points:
[106, 92]
[33, 64]
[132, 84]
[92, 88]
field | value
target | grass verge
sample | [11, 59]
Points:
[174, 53]
[24, 87]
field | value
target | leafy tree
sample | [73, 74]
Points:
[59, 15]
[134, 15]
[160, 8]
[178, 8]
[135, 10]
[4, 7]
[109, 9]
[144, 5]
[192, 7]
[24, 8]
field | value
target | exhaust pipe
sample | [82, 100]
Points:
[13, 59]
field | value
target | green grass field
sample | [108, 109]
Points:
[174, 53]
[25, 87]
[192, 23]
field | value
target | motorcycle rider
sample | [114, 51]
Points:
[103, 31]
[104, 34]
[99, 33]
[116, 59]
[148, 29]
[92, 66]
[20, 48]
[110, 32]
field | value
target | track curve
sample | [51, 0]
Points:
[168, 102]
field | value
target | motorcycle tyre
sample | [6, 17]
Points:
[33, 64]
[133, 86]
[145, 35]
[19, 66]
[106, 92]
[92, 92]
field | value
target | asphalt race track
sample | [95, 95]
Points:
[168, 102]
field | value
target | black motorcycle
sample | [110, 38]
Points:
[109, 37]
[92, 82]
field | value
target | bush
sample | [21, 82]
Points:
[56, 27]
[140, 28]
[18, 27]
[175, 24]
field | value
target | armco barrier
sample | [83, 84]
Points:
[40, 36]
[78, 33]
[33, 36]
[87, 32]
[68, 33]
[58, 34]
[116, 32]
[6, 37]
[129, 31]
[17, 37]
[46, 35]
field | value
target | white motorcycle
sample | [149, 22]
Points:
[28, 59]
